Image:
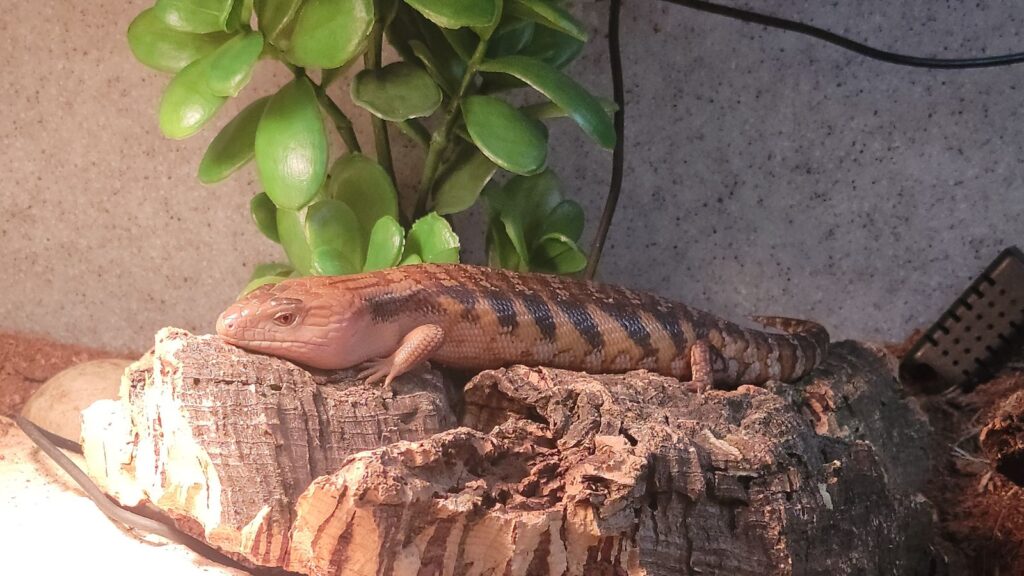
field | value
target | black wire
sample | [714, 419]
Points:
[45, 440]
[614, 55]
[618, 155]
[852, 45]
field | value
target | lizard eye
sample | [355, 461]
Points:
[284, 319]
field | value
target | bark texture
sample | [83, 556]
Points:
[545, 472]
[1002, 439]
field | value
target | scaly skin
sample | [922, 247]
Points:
[479, 318]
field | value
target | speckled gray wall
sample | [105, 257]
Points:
[766, 172]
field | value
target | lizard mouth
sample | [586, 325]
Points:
[279, 347]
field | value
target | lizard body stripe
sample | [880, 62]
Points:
[580, 318]
[669, 321]
[504, 309]
[385, 307]
[466, 298]
[541, 314]
[631, 322]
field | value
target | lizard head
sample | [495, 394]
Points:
[297, 320]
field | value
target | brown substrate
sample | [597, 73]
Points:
[981, 512]
[28, 361]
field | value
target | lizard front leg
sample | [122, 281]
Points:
[417, 346]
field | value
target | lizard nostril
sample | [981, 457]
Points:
[227, 323]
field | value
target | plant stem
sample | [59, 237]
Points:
[381, 141]
[440, 139]
[341, 121]
[415, 130]
[618, 156]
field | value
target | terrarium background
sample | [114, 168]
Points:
[766, 172]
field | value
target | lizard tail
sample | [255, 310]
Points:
[803, 346]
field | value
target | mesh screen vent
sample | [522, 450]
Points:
[973, 338]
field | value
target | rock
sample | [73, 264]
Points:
[57, 405]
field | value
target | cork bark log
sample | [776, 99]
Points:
[527, 471]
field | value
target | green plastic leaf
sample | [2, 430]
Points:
[260, 281]
[264, 213]
[333, 224]
[531, 199]
[501, 253]
[275, 19]
[557, 253]
[402, 29]
[447, 46]
[291, 146]
[439, 73]
[233, 146]
[328, 261]
[187, 103]
[416, 38]
[549, 14]
[521, 208]
[384, 249]
[363, 185]
[485, 32]
[514, 229]
[461, 185]
[562, 90]
[494, 83]
[197, 16]
[508, 137]
[292, 231]
[231, 65]
[566, 219]
[396, 92]
[462, 41]
[553, 47]
[532, 228]
[511, 36]
[411, 259]
[456, 13]
[329, 33]
[548, 110]
[446, 256]
[241, 13]
[163, 48]
[271, 269]
[433, 240]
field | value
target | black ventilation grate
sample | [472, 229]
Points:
[972, 339]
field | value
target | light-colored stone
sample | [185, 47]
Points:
[57, 405]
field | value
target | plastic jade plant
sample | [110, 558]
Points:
[455, 58]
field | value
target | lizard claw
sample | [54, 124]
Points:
[376, 370]
[415, 348]
[696, 387]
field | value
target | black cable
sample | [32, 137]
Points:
[42, 439]
[57, 440]
[852, 45]
[618, 155]
[615, 186]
